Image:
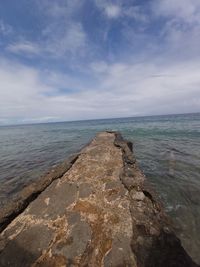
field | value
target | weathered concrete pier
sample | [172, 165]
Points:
[96, 209]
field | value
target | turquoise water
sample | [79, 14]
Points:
[167, 149]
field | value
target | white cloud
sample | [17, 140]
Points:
[135, 12]
[108, 8]
[186, 10]
[119, 10]
[75, 38]
[63, 35]
[112, 11]
[60, 36]
[71, 41]
[159, 84]
[58, 8]
[118, 90]
[99, 67]
[151, 88]
[181, 32]
[5, 29]
[24, 47]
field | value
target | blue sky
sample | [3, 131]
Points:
[85, 59]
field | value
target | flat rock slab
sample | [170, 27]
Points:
[99, 213]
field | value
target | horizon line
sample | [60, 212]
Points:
[98, 119]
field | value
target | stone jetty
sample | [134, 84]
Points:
[95, 209]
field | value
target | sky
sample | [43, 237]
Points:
[63, 60]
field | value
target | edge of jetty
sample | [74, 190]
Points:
[94, 209]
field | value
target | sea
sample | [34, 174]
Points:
[167, 149]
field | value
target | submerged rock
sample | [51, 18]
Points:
[99, 212]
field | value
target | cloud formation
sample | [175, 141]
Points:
[24, 47]
[100, 59]
[109, 9]
[5, 29]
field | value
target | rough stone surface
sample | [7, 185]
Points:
[29, 193]
[99, 212]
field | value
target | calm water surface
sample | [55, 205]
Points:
[167, 149]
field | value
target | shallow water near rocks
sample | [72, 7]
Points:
[166, 147]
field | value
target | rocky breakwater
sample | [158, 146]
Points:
[95, 210]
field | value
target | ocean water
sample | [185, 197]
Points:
[167, 149]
